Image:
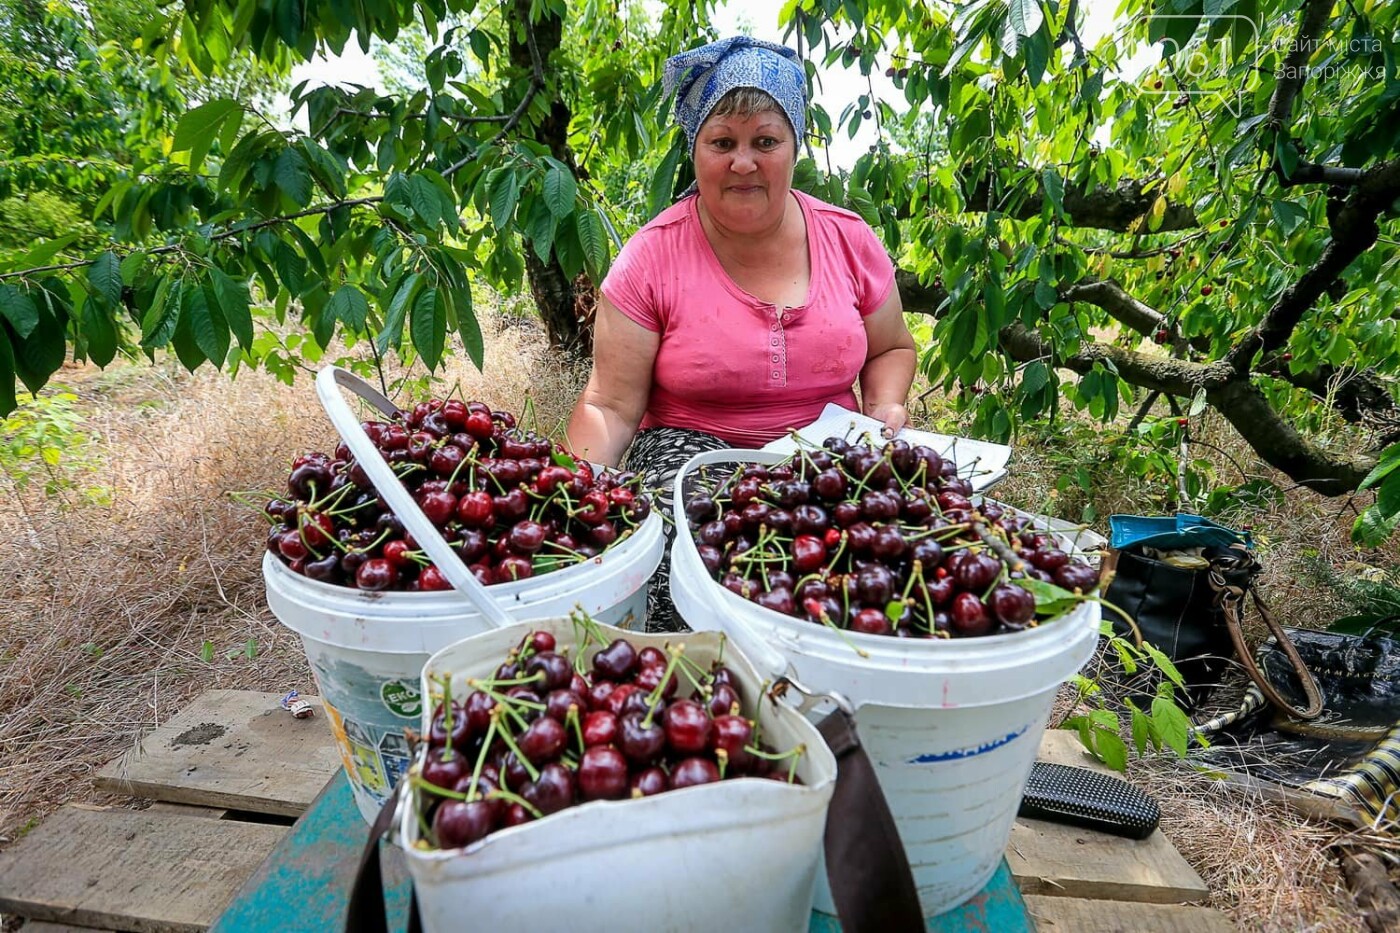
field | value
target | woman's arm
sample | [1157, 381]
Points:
[607, 413]
[889, 365]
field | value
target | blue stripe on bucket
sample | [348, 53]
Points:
[959, 753]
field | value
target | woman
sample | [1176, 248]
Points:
[740, 312]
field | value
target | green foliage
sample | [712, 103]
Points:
[46, 441]
[1164, 726]
[1013, 165]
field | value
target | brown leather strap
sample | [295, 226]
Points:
[1231, 599]
[366, 912]
[865, 862]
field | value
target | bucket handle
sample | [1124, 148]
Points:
[769, 660]
[387, 483]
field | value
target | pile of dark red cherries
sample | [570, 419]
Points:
[511, 503]
[544, 733]
[881, 540]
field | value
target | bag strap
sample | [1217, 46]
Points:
[366, 912]
[1230, 598]
[866, 866]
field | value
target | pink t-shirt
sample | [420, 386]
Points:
[730, 364]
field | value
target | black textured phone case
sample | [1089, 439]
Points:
[1080, 797]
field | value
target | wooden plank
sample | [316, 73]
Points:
[1062, 747]
[40, 926]
[1066, 861]
[1075, 915]
[131, 870]
[231, 749]
[1047, 858]
[185, 809]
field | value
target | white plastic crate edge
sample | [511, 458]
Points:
[981, 463]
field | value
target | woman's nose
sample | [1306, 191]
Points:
[744, 161]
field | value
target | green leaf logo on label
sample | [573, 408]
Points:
[402, 698]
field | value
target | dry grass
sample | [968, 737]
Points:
[109, 608]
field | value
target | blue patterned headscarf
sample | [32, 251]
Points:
[702, 76]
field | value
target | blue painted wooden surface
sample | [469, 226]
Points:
[305, 883]
[997, 909]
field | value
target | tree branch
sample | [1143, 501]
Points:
[1294, 70]
[235, 230]
[1109, 295]
[1354, 231]
[1310, 173]
[1235, 397]
[537, 83]
[1122, 208]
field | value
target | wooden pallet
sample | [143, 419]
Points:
[229, 772]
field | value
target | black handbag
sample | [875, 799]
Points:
[1195, 617]
[1350, 754]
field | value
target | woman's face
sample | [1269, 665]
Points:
[743, 169]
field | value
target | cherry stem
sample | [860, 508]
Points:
[655, 696]
[481, 755]
[506, 795]
[1002, 549]
[447, 711]
[573, 720]
[519, 755]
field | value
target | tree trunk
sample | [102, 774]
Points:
[564, 305]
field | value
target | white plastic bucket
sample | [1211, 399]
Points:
[367, 649]
[737, 855]
[951, 726]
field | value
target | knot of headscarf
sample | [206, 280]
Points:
[702, 76]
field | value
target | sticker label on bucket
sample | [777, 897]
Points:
[402, 698]
[957, 754]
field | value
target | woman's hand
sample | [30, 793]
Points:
[889, 365]
[893, 415]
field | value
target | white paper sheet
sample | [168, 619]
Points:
[981, 463]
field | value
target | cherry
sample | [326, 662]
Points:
[722, 700]
[477, 712]
[600, 727]
[808, 553]
[1013, 605]
[444, 769]
[693, 771]
[618, 661]
[553, 791]
[527, 537]
[1079, 577]
[375, 574]
[640, 741]
[733, 734]
[457, 824]
[970, 615]
[476, 510]
[461, 727]
[558, 703]
[602, 774]
[871, 622]
[647, 783]
[552, 671]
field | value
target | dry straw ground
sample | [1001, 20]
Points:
[117, 615]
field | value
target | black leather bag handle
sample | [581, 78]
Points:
[366, 912]
[866, 866]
